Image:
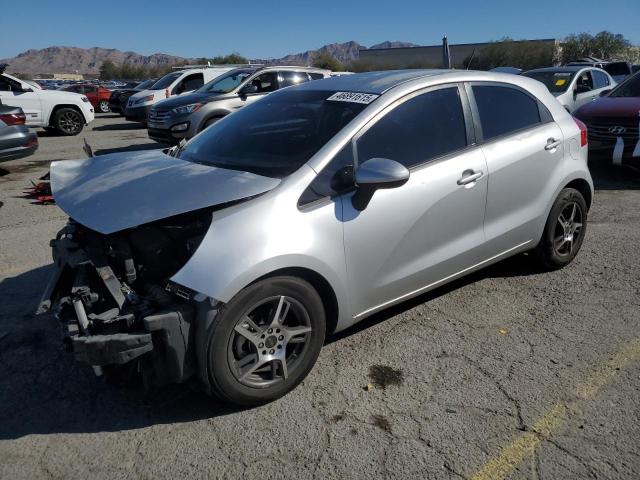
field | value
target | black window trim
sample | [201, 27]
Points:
[543, 111]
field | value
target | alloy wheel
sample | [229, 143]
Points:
[568, 229]
[70, 122]
[269, 341]
[104, 106]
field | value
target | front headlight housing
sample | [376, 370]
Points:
[192, 107]
[146, 99]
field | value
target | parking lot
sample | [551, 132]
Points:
[509, 373]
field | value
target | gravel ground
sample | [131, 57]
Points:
[508, 373]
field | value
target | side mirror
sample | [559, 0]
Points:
[575, 93]
[374, 174]
[249, 88]
[606, 92]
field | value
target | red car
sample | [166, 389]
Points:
[98, 96]
[613, 123]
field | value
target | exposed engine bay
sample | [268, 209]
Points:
[114, 299]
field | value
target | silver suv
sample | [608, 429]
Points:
[185, 116]
[232, 257]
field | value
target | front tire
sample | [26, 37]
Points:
[68, 122]
[103, 106]
[265, 341]
[564, 231]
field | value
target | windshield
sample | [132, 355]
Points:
[628, 88]
[165, 81]
[275, 136]
[226, 83]
[556, 82]
[145, 85]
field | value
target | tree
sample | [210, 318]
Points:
[326, 61]
[511, 53]
[108, 70]
[604, 45]
[232, 58]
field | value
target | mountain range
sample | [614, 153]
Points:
[59, 59]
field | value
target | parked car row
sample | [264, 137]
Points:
[173, 83]
[184, 116]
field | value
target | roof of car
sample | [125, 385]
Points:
[564, 69]
[370, 82]
[294, 67]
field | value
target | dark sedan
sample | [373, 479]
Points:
[16, 140]
[613, 123]
[118, 100]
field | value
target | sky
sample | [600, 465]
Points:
[274, 29]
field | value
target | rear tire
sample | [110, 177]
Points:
[251, 358]
[68, 121]
[564, 231]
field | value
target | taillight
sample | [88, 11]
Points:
[583, 132]
[14, 118]
[31, 142]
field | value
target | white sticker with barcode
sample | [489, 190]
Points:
[353, 97]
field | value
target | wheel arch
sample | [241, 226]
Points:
[321, 285]
[215, 114]
[56, 108]
[583, 187]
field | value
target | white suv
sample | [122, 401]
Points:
[173, 83]
[64, 112]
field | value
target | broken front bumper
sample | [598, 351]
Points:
[106, 323]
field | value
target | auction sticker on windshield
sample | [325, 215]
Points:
[353, 97]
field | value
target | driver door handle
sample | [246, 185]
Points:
[469, 176]
[552, 143]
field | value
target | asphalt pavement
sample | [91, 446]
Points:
[509, 373]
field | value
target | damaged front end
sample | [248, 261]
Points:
[114, 299]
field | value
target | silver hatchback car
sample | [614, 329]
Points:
[232, 257]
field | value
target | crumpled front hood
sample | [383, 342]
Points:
[108, 193]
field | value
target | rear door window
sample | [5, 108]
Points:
[288, 78]
[504, 110]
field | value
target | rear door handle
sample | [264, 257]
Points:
[552, 143]
[469, 176]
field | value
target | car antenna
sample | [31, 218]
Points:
[471, 58]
